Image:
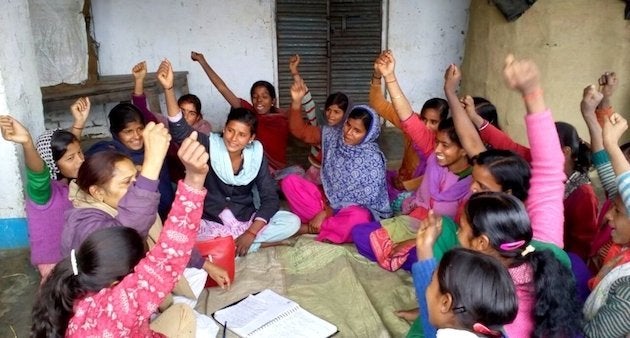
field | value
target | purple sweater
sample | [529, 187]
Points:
[45, 224]
[137, 209]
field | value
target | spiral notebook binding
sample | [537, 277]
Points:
[278, 318]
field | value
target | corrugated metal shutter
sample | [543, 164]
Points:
[338, 41]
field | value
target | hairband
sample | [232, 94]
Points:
[73, 262]
[511, 245]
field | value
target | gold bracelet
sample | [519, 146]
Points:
[394, 80]
[74, 127]
[397, 97]
[251, 233]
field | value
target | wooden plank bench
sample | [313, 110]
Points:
[107, 89]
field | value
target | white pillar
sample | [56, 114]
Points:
[20, 97]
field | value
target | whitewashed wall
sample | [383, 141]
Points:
[426, 36]
[238, 40]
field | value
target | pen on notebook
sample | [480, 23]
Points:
[224, 328]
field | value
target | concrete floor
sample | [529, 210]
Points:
[19, 281]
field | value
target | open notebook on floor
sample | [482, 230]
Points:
[268, 314]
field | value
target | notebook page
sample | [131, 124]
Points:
[298, 323]
[242, 313]
[254, 312]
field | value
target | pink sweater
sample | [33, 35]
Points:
[124, 310]
[545, 210]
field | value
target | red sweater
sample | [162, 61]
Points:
[273, 133]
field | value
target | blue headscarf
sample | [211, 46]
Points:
[355, 175]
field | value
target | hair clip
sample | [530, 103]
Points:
[480, 328]
[528, 249]
[459, 309]
[511, 245]
[73, 262]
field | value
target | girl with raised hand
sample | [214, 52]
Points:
[606, 309]
[468, 294]
[126, 124]
[273, 129]
[407, 177]
[444, 188]
[335, 108]
[352, 174]
[237, 167]
[51, 163]
[110, 192]
[107, 287]
[188, 103]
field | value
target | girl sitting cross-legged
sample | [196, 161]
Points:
[238, 170]
[352, 175]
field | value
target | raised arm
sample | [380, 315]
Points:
[386, 66]
[14, 131]
[216, 80]
[608, 83]
[80, 111]
[377, 98]
[166, 261]
[591, 98]
[546, 193]
[308, 104]
[463, 125]
[139, 72]
[614, 127]
[411, 124]
[299, 129]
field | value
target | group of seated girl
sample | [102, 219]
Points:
[528, 223]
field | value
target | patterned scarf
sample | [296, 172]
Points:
[45, 152]
[355, 175]
[222, 165]
[575, 181]
[616, 265]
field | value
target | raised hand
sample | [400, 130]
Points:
[198, 57]
[469, 105]
[298, 90]
[521, 75]
[165, 74]
[156, 141]
[139, 71]
[430, 230]
[80, 111]
[452, 78]
[12, 130]
[614, 127]
[590, 100]
[195, 159]
[294, 62]
[385, 64]
[608, 83]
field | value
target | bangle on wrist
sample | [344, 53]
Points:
[78, 128]
[168, 88]
[251, 233]
[484, 125]
[536, 93]
[397, 97]
[391, 81]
